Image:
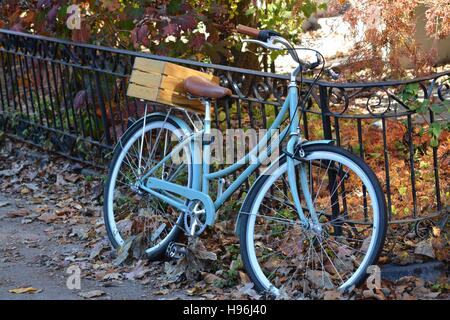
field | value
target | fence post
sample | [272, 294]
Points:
[328, 135]
[103, 108]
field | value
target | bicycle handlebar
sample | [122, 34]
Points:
[267, 37]
[248, 31]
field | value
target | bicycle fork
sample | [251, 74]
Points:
[292, 175]
[293, 185]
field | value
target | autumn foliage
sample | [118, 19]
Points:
[389, 45]
[197, 30]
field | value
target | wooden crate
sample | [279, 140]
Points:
[162, 82]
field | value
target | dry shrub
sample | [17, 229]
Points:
[388, 46]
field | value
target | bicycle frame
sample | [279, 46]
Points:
[201, 164]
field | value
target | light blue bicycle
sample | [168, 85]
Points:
[314, 219]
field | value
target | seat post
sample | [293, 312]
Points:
[206, 145]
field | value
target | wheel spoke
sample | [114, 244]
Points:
[134, 211]
[335, 249]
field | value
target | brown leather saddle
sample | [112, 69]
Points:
[201, 87]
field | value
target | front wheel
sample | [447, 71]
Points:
[282, 256]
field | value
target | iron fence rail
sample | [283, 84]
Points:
[71, 98]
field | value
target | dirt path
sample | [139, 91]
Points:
[29, 258]
[50, 220]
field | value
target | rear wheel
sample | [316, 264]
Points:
[283, 257]
[132, 216]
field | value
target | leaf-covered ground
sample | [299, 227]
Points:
[50, 219]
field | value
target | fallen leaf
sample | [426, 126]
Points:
[440, 246]
[32, 186]
[174, 269]
[3, 203]
[425, 248]
[332, 295]
[200, 252]
[72, 177]
[64, 211]
[25, 190]
[407, 296]
[26, 220]
[60, 180]
[244, 277]
[196, 260]
[123, 252]
[11, 172]
[194, 290]
[25, 290]
[248, 290]
[48, 217]
[80, 232]
[112, 276]
[378, 294]
[18, 213]
[98, 248]
[436, 232]
[91, 294]
[111, 5]
[210, 278]
[410, 243]
[404, 257]
[161, 292]
[139, 271]
[431, 295]
[320, 279]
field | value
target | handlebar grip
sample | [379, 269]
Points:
[249, 31]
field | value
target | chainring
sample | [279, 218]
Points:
[195, 219]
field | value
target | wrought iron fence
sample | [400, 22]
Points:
[70, 98]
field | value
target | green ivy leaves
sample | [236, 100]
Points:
[426, 108]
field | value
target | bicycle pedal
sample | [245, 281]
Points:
[176, 251]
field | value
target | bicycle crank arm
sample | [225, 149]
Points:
[154, 185]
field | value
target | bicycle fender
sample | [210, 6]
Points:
[314, 142]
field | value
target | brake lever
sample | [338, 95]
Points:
[334, 75]
[316, 63]
[268, 45]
